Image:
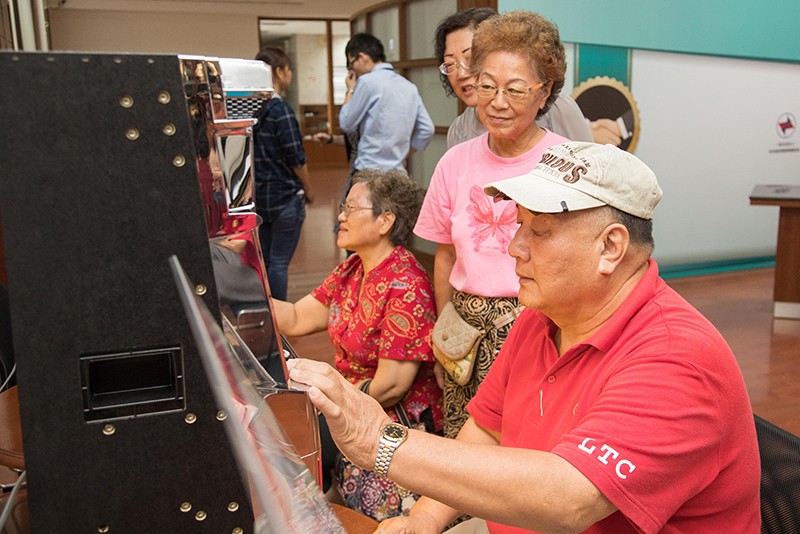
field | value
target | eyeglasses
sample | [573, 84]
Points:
[487, 90]
[347, 209]
[351, 61]
[450, 68]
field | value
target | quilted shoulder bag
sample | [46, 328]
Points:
[455, 343]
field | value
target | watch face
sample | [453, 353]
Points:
[394, 431]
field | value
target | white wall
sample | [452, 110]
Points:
[708, 125]
[312, 82]
[174, 33]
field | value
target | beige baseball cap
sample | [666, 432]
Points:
[577, 176]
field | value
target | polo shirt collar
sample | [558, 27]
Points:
[643, 293]
[608, 334]
[383, 66]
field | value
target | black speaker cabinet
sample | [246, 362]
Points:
[98, 186]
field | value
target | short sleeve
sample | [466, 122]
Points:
[486, 407]
[331, 286]
[434, 218]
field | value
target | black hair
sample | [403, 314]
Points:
[640, 230]
[366, 43]
[468, 18]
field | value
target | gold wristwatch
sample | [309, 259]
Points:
[392, 436]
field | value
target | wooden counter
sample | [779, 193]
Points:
[787, 256]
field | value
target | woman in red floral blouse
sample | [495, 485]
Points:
[379, 310]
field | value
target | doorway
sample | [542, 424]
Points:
[316, 48]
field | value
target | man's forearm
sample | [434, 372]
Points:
[530, 489]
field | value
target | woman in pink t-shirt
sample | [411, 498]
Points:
[518, 66]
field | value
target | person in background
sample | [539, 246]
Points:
[383, 107]
[453, 48]
[379, 311]
[282, 183]
[518, 62]
[614, 406]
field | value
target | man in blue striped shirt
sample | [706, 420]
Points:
[383, 107]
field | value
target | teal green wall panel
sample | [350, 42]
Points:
[611, 61]
[737, 28]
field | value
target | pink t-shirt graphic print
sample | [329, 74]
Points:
[489, 222]
[457, 212]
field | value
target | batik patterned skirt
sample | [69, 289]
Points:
[481, 313]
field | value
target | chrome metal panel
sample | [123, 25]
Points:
[224, 97]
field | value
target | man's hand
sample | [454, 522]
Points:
[323, 138]
[353, 417]
[421, 523]
[350, 80]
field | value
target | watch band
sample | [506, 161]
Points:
[392, 436]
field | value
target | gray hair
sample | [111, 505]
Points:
[395, 192]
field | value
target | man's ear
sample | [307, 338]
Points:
[615, 242]
[367, 62]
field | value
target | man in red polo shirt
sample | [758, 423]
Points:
[613, 407]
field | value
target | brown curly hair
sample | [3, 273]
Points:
[530, 35]
[395, 192]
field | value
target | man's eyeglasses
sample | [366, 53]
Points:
[347, 209]
[448, 68]
[487, 90]
[350, 62]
